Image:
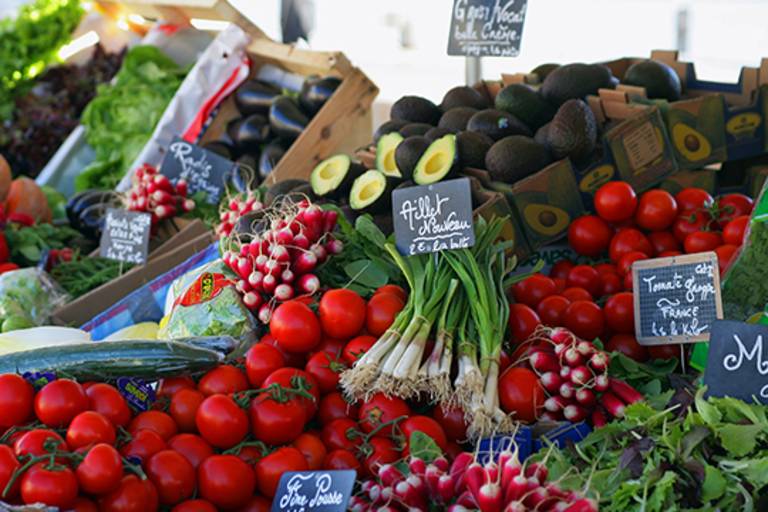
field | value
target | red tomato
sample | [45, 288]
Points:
[331, 346]
[293, 378]
[172, 475]
[33, 442]
[425, 425]
[559, 284]
[394, 289]
[576, 293]
[733, 232]
[584, 276]
[686, 224]
[341, 434]
[325, 369]
[552, 310]
[610, 284]
[312, 448]
[132, 495]
[665, 351]
[342, 313]
[605, 268]
[584, 319]
[158, 421]
[356, 348]
[693, 200]
[656, 211]
[223, 380]
[108, 401]
[194, 506]
[295, 326]
[381, 409]
[341, 459]
[84, 505]
[55, 487]
[733, 205]
[522, 321]
[624, 265]
[60, 401]
[292, 359]
[725, 254]
[628, 240]
[589, 235]
[276, 423]
[381, 311]
[257, 504]
[226, 481]
[8, 466]
[271, 468]
[261, 360]
[193, 447]
[250, 454]
[702, 241]
[88, 428]
[143, 445]
[532, 290]
[521, 394]
[452, 421]
[561, 269]
[381, 451]
[620, 313]
[668, 254]
[171, 385]
[663, 241]
[505, 361]
[183, 408]
[615, 201]
[16, 399]
[333, 406]
[627, 345]
[221, 422]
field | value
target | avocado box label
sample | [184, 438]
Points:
[314, 491]
[676, 299]
[642, 146]
[486, 28]
[737, 361]
[433, 218]
[139, 394]
[125, 236]
[204, 171]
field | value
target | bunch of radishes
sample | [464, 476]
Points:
[502, 485]
[575, 375]
[278, 263]
[154, 193]
[238, 206]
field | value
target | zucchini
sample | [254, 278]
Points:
[109, 360]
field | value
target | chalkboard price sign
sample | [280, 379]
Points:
[433, 218]
[737, 363]
[486, 28]
[125, 236]
[203, 170]
[676, 299]
[314, 491]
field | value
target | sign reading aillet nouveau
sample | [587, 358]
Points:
[486, 28]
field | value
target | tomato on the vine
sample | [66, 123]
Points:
[425, 425]
[552, 310]
[271, 468]
[326, 369]
[628, 240]
[356, 347]
[589, 235]
[561, 268]
[624, 266]
[101, 470]
[84, 505]
[329, 345]
[379, 409]
[16, 399]
[381, 311]
[223, 380]
[731, 206]
[532, 290]
[521, 394]
[725, 254]
[108, 401]
[333, 406]
[702, 241]
[522, 321]
[193, 447]
[615, 201]
[393, 289]
[312, 448]
[585, 319]
[143, 445]
[55, 487]
[226, 481]
[173, 476]
[295, 327]
[261, 360]
[183, 408]
[274, 422]
[341, 434]
[341, 459]
[8, 466]
[294, 378]
[733, 232]
[576, 293]
[379, 451]
[610, 284]
[620, 313]
[221, 422]
[88, 428]
[292, 359]
[666, 351]
[627, 345]
[60, 401]
[132, 495]
[33, 442]
[689, 223]
[169, 386]
[586, 277]
[693, 199]
[342, 313]
[160, 422]
[663, 241]
[194, 506]
[656, 210]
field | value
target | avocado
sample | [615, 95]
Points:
[513, 158]
[542, 134]
[659, 79]
[408, 154]
[437, 132]
[416, 110]
[546, 219]
[575, 81]
[524, 103]
[438, 161]
[573, 131]
[371, 192]
[690, 142]
[334, 176]
[497, 124]
[390, 126]
[543, 70]
[463, 96]
[315, 91]
[285, 118]
[255, 97]
[221, 148]
[249, 133]
[385, 154]
[412, 129]
[472, 148]
[270, 157]
[456, 119]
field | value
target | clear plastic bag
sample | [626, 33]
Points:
[27, 298]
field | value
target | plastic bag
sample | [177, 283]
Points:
[27, 298]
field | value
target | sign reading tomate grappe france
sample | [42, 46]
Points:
[737, 363]
[676, 299]
[486, 28]
[433, 218]
[314, 491]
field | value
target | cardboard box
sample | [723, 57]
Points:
[596, 174]
[699, 178]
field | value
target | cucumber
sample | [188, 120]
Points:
[221, 344]
[109, 360]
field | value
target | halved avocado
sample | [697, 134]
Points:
[408, 154]
[437, 162]
[334, 176]
[385, 154]
[371, 192]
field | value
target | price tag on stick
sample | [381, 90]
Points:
[125, 236]
[203, 170]
[486, 28]
[737, 363]
[314, 491]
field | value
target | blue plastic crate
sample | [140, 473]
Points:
[531, 439]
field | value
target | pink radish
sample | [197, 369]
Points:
[285, 236]
[565, 373]
[585, 348]
[417, 466]
[585, 397]
[601, 382]
[534, 498]
[544, 362]
[188, 205]
[580, 375]
[475, 477]
[567, 390]
[320, 253]
[329, 220]
[300, 241]
[560, 335]
[273, 268]
[445, 488]
[268, 284]
[598, 418]
[551, 381]
[279, 253]
[165, 211]
[163, 183]
[490, 498]
[515, 506]
[466, 499]
[582, 505]
[432, 476]
[181, 187]
[390, 475]
[304, 262]
[459, 469]
[599, 361]
[536, 470]
[287, 276]
[442, 464]
[252, 300]
[334, 246]
[357, 504]
[283, 292]
[408, 494]
[624, 391]
[574, 413]
[308, 283]
[573, 358]
[255, 279]
[613, 405]
[313, 217]
[261, 263]
[162, 197]
[555, 403]
[550, 416]
[516, 488]
[458, 508]
[244, 267]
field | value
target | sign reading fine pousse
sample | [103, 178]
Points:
[737, 362]
[432, 218]
[486, 28]
[314, 491]
[125, 236]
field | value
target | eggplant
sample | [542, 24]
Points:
[251, 223]
[83, 200]
[91, 220]
[315, 91]
[221, 148]
[249, 133]
[255, 97]
[270, 156]
[285, 118]
[245, 174]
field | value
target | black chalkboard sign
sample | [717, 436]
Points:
[314, 491]
[433, 218]
[203, 170]
[676, 299]
[486, 28]
[125, 236]
[737, 363]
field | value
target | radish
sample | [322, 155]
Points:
[599, 362]
[475, 477]
[244, 267]
[442, 464]
[285, 236]
[489, 498]
[624, 391]
[255, 279]
[445, 488]
[550, 416]
[574, 413]
[585, 397]
[459, 469]
[163, 183]
[515, 506]
[312, 217]
[516, 488]
[188, 205]
[252, 300]
[561, 335]
[300, 241]
[334, 246]
[390, 475]
[320, 253]
[466, 499]
[329, 220]
[551, 381]
[261, 263]
[240, 285]
[555, 403]
[534, 498]
[582, 505]
[279, 253]
[567, 390]
[181, 187]
[269, 284]
[598, 418]
[417, 466]
[536, 470]
[580, 375]
[585, 348]
[305, 262]
[613, 405]
[573, 358]
[357, 504]
[165, 211]
[162, 197]
[565, 373]
[308, 283]
[432, 476]
[408, 494]
[601, 382]
[544, 362]
[273, 268]
[287, 276]
[283, 292]
[458, 508]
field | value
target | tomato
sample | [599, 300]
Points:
[8, 466]
[276, 423]
[589, 235]
[584, 319]
[725, 254]
[627, 345]
[532, 290]
[223, 380]
[221, 422]
[33, 442]
[88, 428]
[561, 268]
[293, 378]
[393, 289]
[60, 401]
[333, 406]
[342, 313]
[292, 359]
[620, 313]
[194, 506]
[381, 311]
[183, 408]
[628, 240]
[733, 205]
[54, 487]
[107, 401]
[226, 481]
[426, 425]
[143, 445]
[668, 254]
[132, 495]
[656, 210]
[330, 346]
[261, 360]
[702, 241]
[270, 468]
[559, 284]
[605, 268]
[257, 504]
[693, 199]
[521, 394]
[325, 369]
[523, 321]
[16, 399]
[576, 293]
[357, 347]
[667, 351]
[295, 326]
[170, 385]
[733, 232]
[453, 422]
[610, 284]
[584, 276]
[624, 265]
[312, 448]
[158, 421]
[381, 409]
[379, 451]
[615, 201]
[663, 241]
[686, 224]
[552, 310]
[173, 476]
[193, 447]
[101, 470]
[341, 434]
[341, 459]
[84, 505]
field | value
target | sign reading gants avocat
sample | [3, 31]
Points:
[486, 28]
